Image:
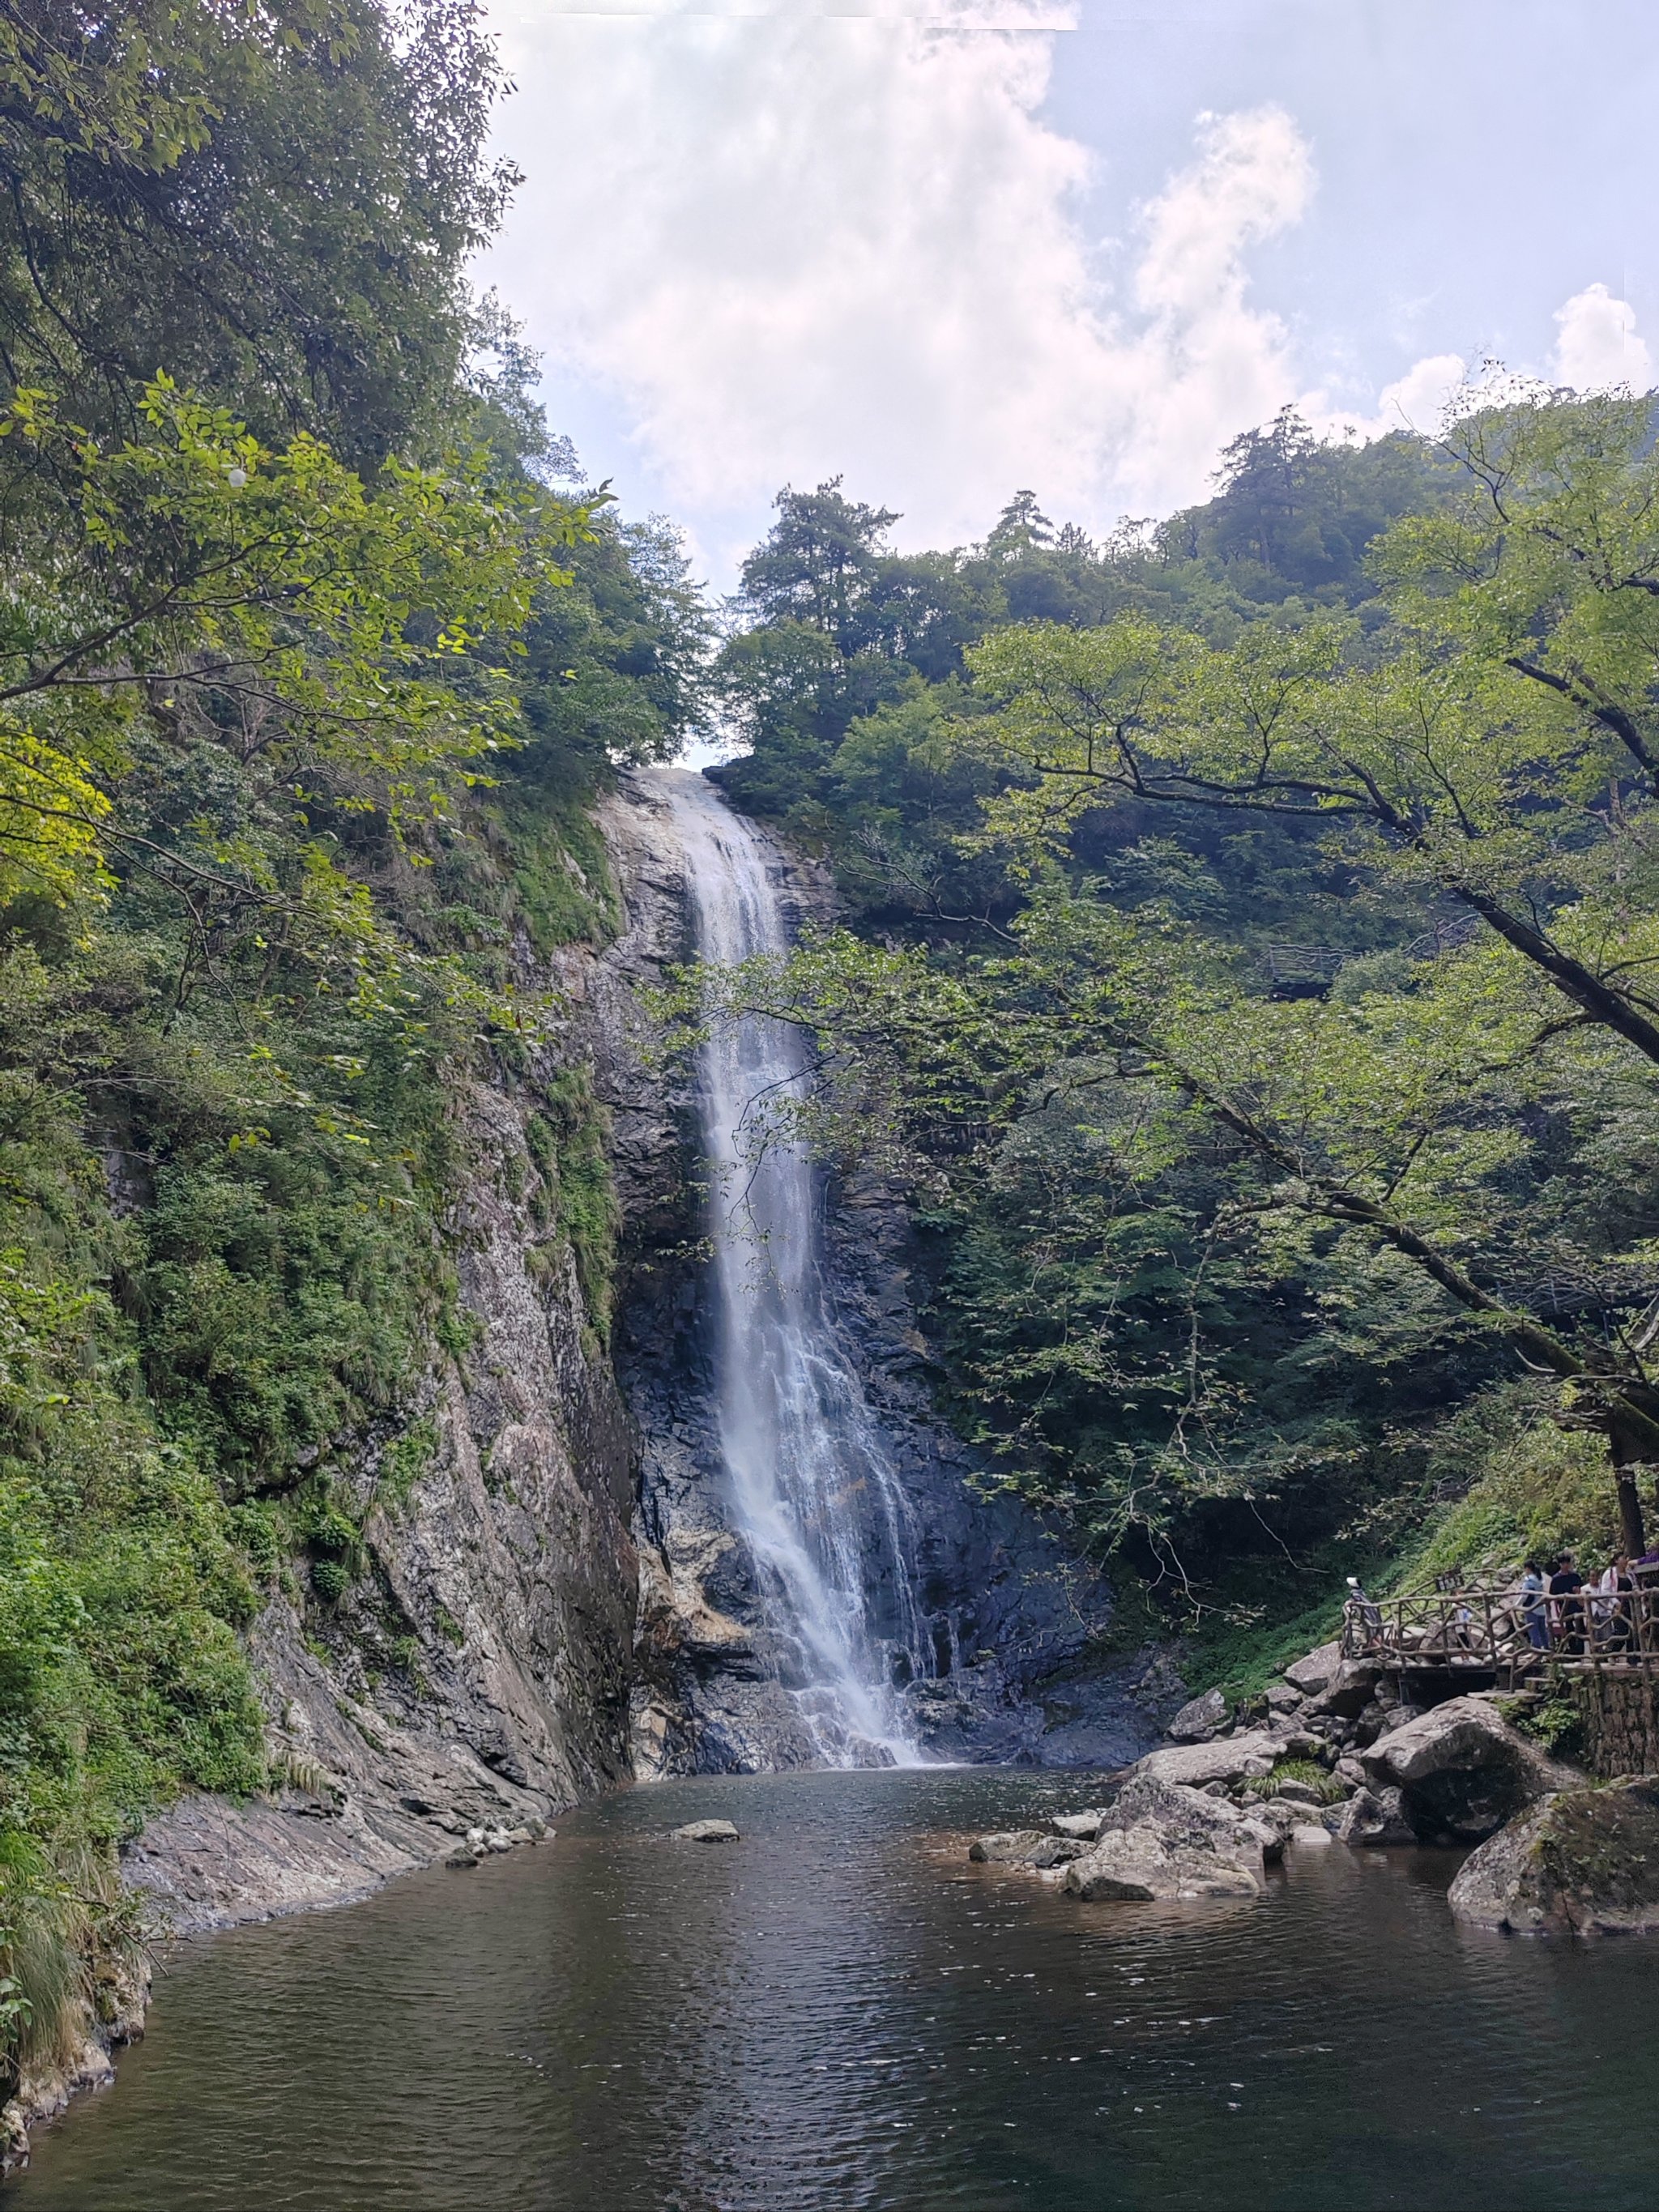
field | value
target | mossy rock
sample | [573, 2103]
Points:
[1581, 1861]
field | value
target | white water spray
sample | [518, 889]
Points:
[811, 1483]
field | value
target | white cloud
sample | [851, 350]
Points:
[1205, 364]
[1597, 348]
[1418, 401]
[1596, 345]
[784, 245]
[795, 244]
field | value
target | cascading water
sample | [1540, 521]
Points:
[812, 1489]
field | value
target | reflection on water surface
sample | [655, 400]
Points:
[840, 2013]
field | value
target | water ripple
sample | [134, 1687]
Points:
[839, 2014]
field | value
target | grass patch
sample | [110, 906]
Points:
[1304, 1770]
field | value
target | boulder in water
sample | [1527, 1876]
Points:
[1057, 1852]
[1080, 1827]
[1374, 1819]
[1582, 1861]
[1027, 1847]
[1462, 1770]
[706, 1832]
[1159, 1839]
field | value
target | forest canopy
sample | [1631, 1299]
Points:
[315, 650]
[1251, 964]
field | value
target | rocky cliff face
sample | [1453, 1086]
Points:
[552, 1599]
[1011, 1617]
[477, 1674]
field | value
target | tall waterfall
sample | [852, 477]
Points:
[811, 1486]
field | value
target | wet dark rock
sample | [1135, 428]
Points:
[1374, 1819]
[1583, 1861]
[1462, 1770]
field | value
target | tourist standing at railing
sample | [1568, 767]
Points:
[1534, 1613]
[1363, 1608]
[1566, 1606]
[1602, 1602]
[1619, 1623]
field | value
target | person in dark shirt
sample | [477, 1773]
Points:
[1567, 1607]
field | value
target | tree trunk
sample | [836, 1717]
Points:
[1626, 1461]
[1630, 1516]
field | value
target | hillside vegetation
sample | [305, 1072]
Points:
[313, 652]
[1251, 969]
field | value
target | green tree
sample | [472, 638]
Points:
[273, 205]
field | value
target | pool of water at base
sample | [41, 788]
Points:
[839, 2011]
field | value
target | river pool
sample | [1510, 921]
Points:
[840, 2012]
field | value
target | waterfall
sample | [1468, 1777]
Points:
[810, 1484]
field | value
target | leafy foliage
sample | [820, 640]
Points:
[1251, 984]
[314, 654]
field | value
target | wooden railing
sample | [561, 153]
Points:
[1493, 1630]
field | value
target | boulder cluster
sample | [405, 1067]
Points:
[1335, 1754]
[479, 1844]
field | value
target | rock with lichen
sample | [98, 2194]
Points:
[1582, 1861]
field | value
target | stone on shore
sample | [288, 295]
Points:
[1302, 1793]
[1198, 1719]
[706, 1832]
[1311, 1674]
[1373, 1820]
[1079, 1827]
[1229, 1759]
[1583, 1861]
[1462, 1770]
[1347, 1690]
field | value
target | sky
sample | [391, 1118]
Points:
[949, 249]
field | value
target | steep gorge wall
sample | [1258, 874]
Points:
[551, 1600]
[477, 1672]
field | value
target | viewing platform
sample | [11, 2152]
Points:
[1484, 1631]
